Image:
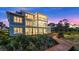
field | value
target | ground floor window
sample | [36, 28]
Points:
[28, 31]
[40, 31]
[18, 30]
[45, 30]
[35, 31]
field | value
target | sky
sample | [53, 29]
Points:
[55, 14]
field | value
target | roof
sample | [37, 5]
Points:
[13, 13]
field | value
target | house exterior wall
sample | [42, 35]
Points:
[38, 25]
[73, 26]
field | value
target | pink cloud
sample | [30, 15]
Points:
[71, 19]
[74, 20]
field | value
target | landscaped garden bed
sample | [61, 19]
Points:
[26, 43]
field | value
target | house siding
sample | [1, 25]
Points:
[22, 25]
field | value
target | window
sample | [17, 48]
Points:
[42, 17]
[40, 30]
[35, 31]
[42, 24]
[28, 23]
[34, 23]
[28, 31]
[17, 19]
[20, 20]
[29, 16]
[45, 24]
[45, 30]
[35, 17]
[17, 30]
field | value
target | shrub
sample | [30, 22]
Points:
[27, 43]
[61, 34]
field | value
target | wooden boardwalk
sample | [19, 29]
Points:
[62, 46]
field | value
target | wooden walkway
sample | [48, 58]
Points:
[62, 46]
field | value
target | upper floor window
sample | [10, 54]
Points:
[17, 19]
[42, 17]
[29, 16]
[35, 23]
[28, 23]
[42, 24]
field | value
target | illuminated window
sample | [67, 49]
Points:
[45, 24]
[40, 30]
[42, 24]
[20, 30]
[35, 31]
[28, 31]
[28, 23]
[35, 17]
[17, 19]
[35, 23]
[20, 20]
[45, 30]
[29, 16]
[42, 17]
[17, 30]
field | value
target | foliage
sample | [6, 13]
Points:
[26, 43]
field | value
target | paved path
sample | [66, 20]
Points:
[62, 46]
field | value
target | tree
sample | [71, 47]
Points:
[66, 25]
[62, 26]
[59, 26]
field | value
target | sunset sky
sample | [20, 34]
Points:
[54, 13]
